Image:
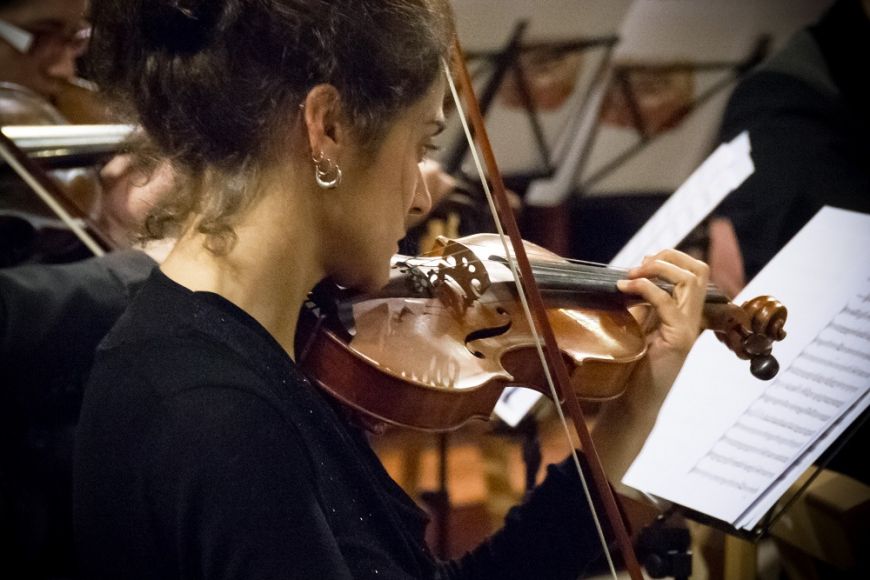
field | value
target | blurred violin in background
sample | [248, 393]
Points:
[81, 103]
[39, 87]
[81, 167]
[32, 228]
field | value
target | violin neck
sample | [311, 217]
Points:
[559, 282]
[558, 279]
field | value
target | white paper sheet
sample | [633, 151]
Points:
[721, 173]
[728, 445]
[515, 403]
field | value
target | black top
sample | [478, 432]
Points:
[51, 319]
[202, 452]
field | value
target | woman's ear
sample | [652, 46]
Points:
[324, 122]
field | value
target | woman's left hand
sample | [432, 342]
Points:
[679, 313]
[622, 425]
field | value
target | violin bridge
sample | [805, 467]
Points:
[459, 278]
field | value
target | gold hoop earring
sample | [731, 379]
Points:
[327, 173]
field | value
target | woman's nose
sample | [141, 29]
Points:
[422, 202]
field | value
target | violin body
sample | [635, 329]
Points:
[433, 361]
[81, 103]
[411, 362]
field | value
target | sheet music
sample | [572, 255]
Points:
[722, 172]
[728, 445]
[515, 403]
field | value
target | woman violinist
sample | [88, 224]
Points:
[297, 127]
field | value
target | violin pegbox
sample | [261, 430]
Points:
[750, 331]
[458, 278]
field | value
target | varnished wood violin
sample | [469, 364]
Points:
[439, 344]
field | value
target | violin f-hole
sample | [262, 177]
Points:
[489, 332]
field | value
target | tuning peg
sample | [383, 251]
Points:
[764, 367]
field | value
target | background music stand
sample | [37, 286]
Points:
[507, 60]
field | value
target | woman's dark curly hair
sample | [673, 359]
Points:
[210, 80]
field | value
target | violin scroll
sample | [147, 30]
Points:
[768, 316]
[750, 330]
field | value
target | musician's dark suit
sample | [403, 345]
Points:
[808, 115]
[51, 319]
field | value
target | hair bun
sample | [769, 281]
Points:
[180, 26]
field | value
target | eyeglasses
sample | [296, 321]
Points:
[46, 41]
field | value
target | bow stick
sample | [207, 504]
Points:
[554, 365]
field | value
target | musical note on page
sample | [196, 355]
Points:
[728, 446]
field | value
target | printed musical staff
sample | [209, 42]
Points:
[727, 481]
[742, 425]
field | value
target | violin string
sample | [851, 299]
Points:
[599, 272]
[537, 339]
[570, 266]
[595, 277]
[596, 271]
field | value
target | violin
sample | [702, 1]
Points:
[81, 103]
[73, 194]
[438, 345]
